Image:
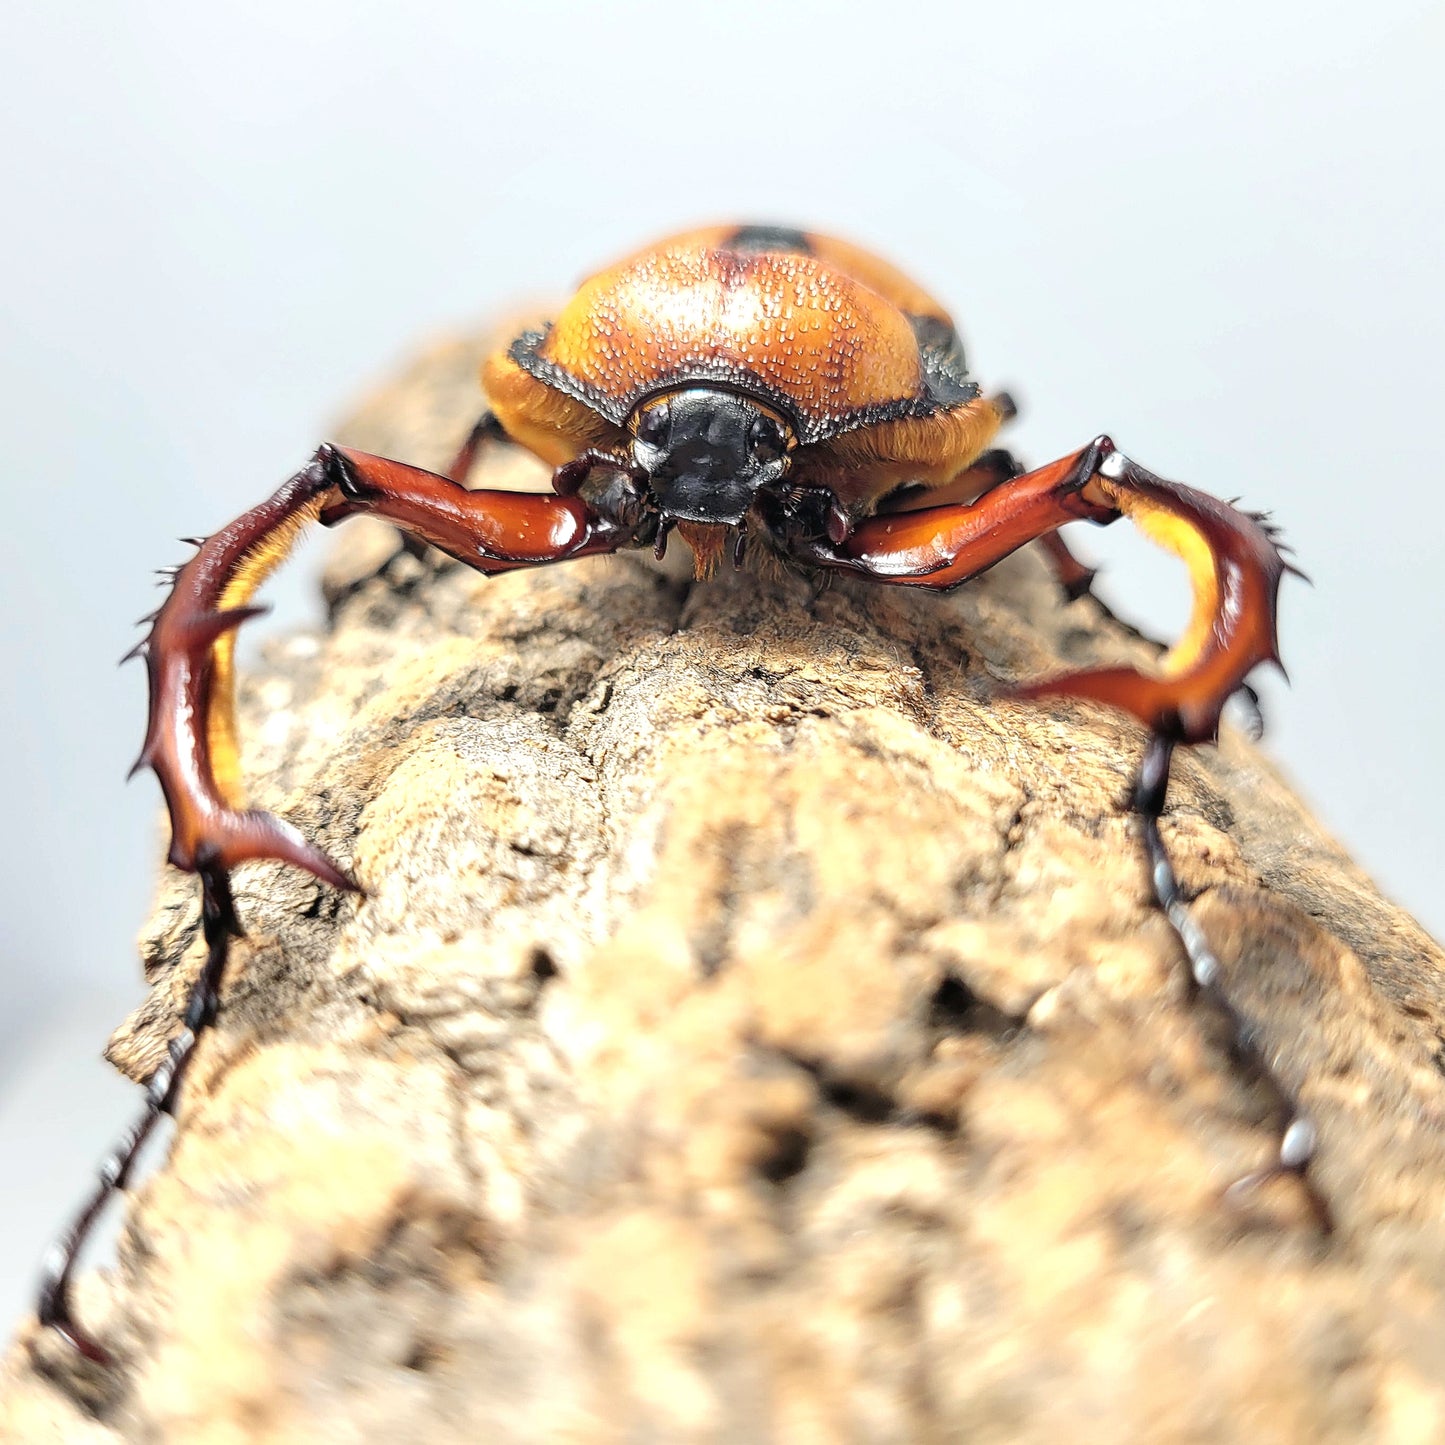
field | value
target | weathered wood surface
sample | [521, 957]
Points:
[756, 1032]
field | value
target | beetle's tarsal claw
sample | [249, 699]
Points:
[1242, 1189]
[1296, 1147]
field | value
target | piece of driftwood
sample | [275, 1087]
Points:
[756, 1031]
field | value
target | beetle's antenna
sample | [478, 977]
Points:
[1298, 1139]
[218, 925]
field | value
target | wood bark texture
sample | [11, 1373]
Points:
[756, 1030]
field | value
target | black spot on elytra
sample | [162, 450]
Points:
[755, 239]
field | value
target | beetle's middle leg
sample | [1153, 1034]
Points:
[487, 429]
[1235, 567]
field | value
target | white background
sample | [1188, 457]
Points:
[1213, 230]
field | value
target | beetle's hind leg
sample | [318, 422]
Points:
[218, 925]
[1074, 578]
[1298, 1138]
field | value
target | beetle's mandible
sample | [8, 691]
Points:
[764, 393]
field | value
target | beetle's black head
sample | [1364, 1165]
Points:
[708, 452]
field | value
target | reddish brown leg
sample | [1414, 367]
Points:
[991, 470]
[191, 742]
[1073, 577]
[487, 429]
[218, 924]
[1298, 1138]
[1235, 567]
[1075, 580]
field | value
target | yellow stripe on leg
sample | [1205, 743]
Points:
[253, 569]
[1175, 534]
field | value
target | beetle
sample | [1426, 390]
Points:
[767, 394]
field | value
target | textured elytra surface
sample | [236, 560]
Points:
[793, 327]
[755, 1031]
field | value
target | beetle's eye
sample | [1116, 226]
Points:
[654, 424]
[765, 439]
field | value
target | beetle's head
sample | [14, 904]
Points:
[708, 453]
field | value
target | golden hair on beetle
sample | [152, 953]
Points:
[709, 542]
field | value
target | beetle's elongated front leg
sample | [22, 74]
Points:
[1233, 562]
[1235, 567]
[191, 737]
[992, 470]
[190, 740]
[484, 430]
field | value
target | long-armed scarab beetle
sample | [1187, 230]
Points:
[760, 391]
